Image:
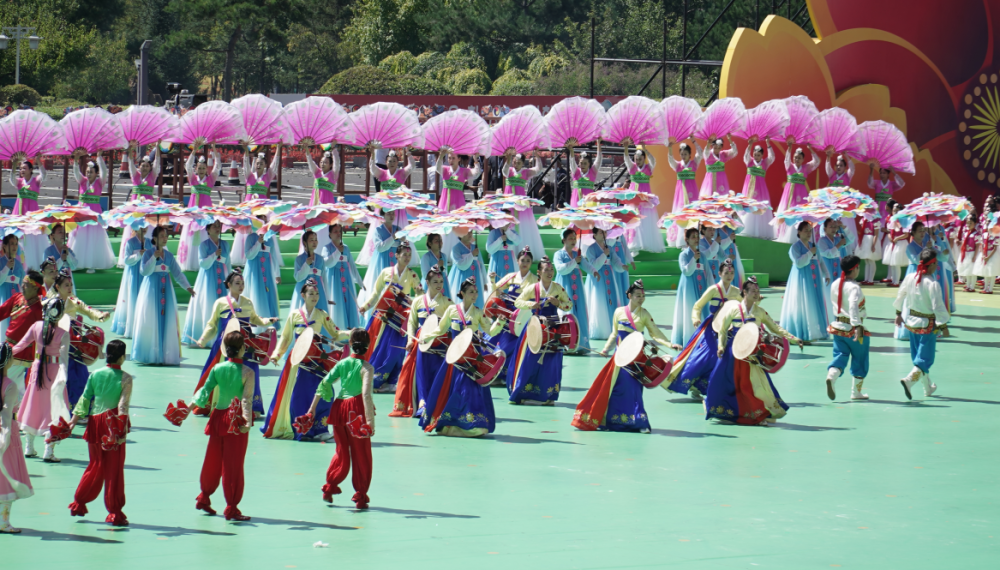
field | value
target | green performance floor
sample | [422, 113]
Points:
[880, 484]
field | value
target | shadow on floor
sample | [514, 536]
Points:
[502, 438]
[390, 444]
[171, 531]
[513, 421]
[58, 536]
[904, 403]
[691, 434]
[949, 399]
[798, 427]
[83, 464]
[409, 514]
[293, 525]
[140, 428]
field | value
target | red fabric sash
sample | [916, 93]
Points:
[442, 399]
[402, 406]
[590, 413]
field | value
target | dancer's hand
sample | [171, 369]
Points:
[245, 429]
[191, 291]
[899, 320]
[721, 352]
[604, 353]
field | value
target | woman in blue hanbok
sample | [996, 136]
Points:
[467, 262]
[805, 306]
[64, 256]
[537, 378]
[692, 285]
[508, 288]
[156, 337]
[11, 275]
[343, 278]
[621, 252]
[123, 323]
[570, 269]
[297, 384]
[384, 244]
[231, 305]
[434, 257]
[614, 400]
[728, 250]
[501, 245]
[457, 405]
[945, 274]
[919, 239]
[309, 265]
[213, 261]
[708, 245]
[262, 275]
[830, 247]
[601, 291]
[694, 364]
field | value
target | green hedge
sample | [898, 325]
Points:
[15, 95]
[368, 80]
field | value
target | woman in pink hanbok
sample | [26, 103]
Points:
[90, 242]
[325, 178]
[755, 186]
[889, 183]
[29, 185]
[453, 178]
[715, 181]
[686, 190]
[584, 175]
[202, 180]
[647, 236]
[393, 176]
[796, 191]
[15, 483]
[840, 175]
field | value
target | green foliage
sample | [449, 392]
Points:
[514, 82]
[368, 80]
[15, 95]
[380, 28]
[427, 62]
[398, 64]
[546, 65]
[470, 82]
[105, 75]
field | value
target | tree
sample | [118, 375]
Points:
[381, 28]
[368, 80]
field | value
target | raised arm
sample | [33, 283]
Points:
[77, 175]
[132, 170]
[374, 169]
[769, 159]
[189, 168]
[102, 168]
[310, 164]
[899, 182]
[461, 260]
[772, 326]
[651, 159]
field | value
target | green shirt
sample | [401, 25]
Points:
[348, 371]
[104, 388]
[228, 378]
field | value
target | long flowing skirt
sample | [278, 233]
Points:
[92, 247]
[613, 403]
[261, 288]
[684, 192]
[207, 289]
[689, 290]
[127, 235]
[238, 253]
[123, 322]
[804, 310]
[34, 250]
[742, 392]
[42, 406]
[292, 398]
[76, 380]
[502, 262]
[508, 343]
[14, 480]
[573, 284]
[386, 352]
[187, 249]
[602, 298]
[528, 230]
[215, 357]
[791, 195]
[695, 363]
[458, 406]
[345, 313]
[156, 338]
[647, 236]
[535, 377]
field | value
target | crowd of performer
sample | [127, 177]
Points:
[438, 331]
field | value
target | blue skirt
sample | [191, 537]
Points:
[387, 352]
[626, 411]
[695, 362]
[468, 405]
[573, 284]
[345, 312]
[76, 380]
[215, 356]
[260, 289]
[536, 377]
[730, 397]
[287, 409]
[508, 343]
[502, 262]
[428, 366]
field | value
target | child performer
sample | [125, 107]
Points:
[584, 176]
[45, 398]
[516, 178]
[157, 337]
[262, 275]
[884, 188]
[297, 384]
[202, 180]
[434, 258]
[29, 185]
[601, 291]
[11, 274]
[133, 249]
[92, 240]
[467, 262]
[501, 245]
[508, 289]
[987, 264]
[967, 244]
[868, 249]
[694, 364]
[232, 306]
[946, 270]
[105, 400]
[310, 265]
[15, 484]
[804, 308]
[921, 309]
[570, 268]
[851, 341]
[715, 181]
[76, 368]
[456, 405]
[419, 368]
[755, 186]
[213, 261]
[143, 180]
[343, 277]
[896, 241]
[740, 390]
[647, 236]
[393, 177]
[530, 377]
[353, 437]
[614, 400]
[796, 191]
[389, 342]
[692, 285]
[686, 190]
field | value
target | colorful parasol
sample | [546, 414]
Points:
[439, 224]
[731, 203]
[265, 206]
[623, 196]
[71, 216]
[286, 225]
[933, 210]
[401, 199]
[993, 222]
[508, 202]
[486, 217]
[694, 217]
[612, 219]
[21, 225]
[814, 213]
[143, 213]
[852, 202]
[323, 215]
[231, 217]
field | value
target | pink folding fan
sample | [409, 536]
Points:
[215, 122]
[801, 126]
[521, 130]
[575, 121]
[723, 117]
[635, 120]
[461, 130]
[769, 119]
[318, 120]
[27, 133]
[90, 130]
[390, 125]
[886, 144]
[838, 131]
[145, 124]
[680, 116]
[263, 120]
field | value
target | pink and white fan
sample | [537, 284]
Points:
[215, 122]
[27, 134]
[838, 131]
[680, 116]
[389, 125]
[318, 120]
[145, 124]
[723, 117]
[886, 144]
[263, 120]
[769, 119]
[575, 121]
[522, 130]
[461, 130]
[635, 120]
[802, 128]
[90, 130]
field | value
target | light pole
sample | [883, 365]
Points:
[17, 33]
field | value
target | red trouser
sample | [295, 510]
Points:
[223, 460]
[106, 469]
[349, 447]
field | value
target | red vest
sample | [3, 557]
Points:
[22, 316]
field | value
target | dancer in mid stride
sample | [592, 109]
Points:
[920, 308]
[850, 339]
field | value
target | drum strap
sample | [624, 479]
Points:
[628, 313]
[232, 310]
[302, 313]
[461, 314]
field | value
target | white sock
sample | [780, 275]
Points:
[894, 273]
[29, 444]
[869, 270]
[50, 451]
[5, 514]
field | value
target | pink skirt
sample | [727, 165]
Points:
[14, 481]
[35, 413]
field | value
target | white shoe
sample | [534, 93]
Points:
[386, 389]
[29, 446]
[831, 382]
[907, 385]
[928, 390]
[696, 394]
[50, 454]
[856, 393]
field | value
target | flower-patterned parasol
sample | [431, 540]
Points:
[934, 209]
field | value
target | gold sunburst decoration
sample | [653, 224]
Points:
[979, 128]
